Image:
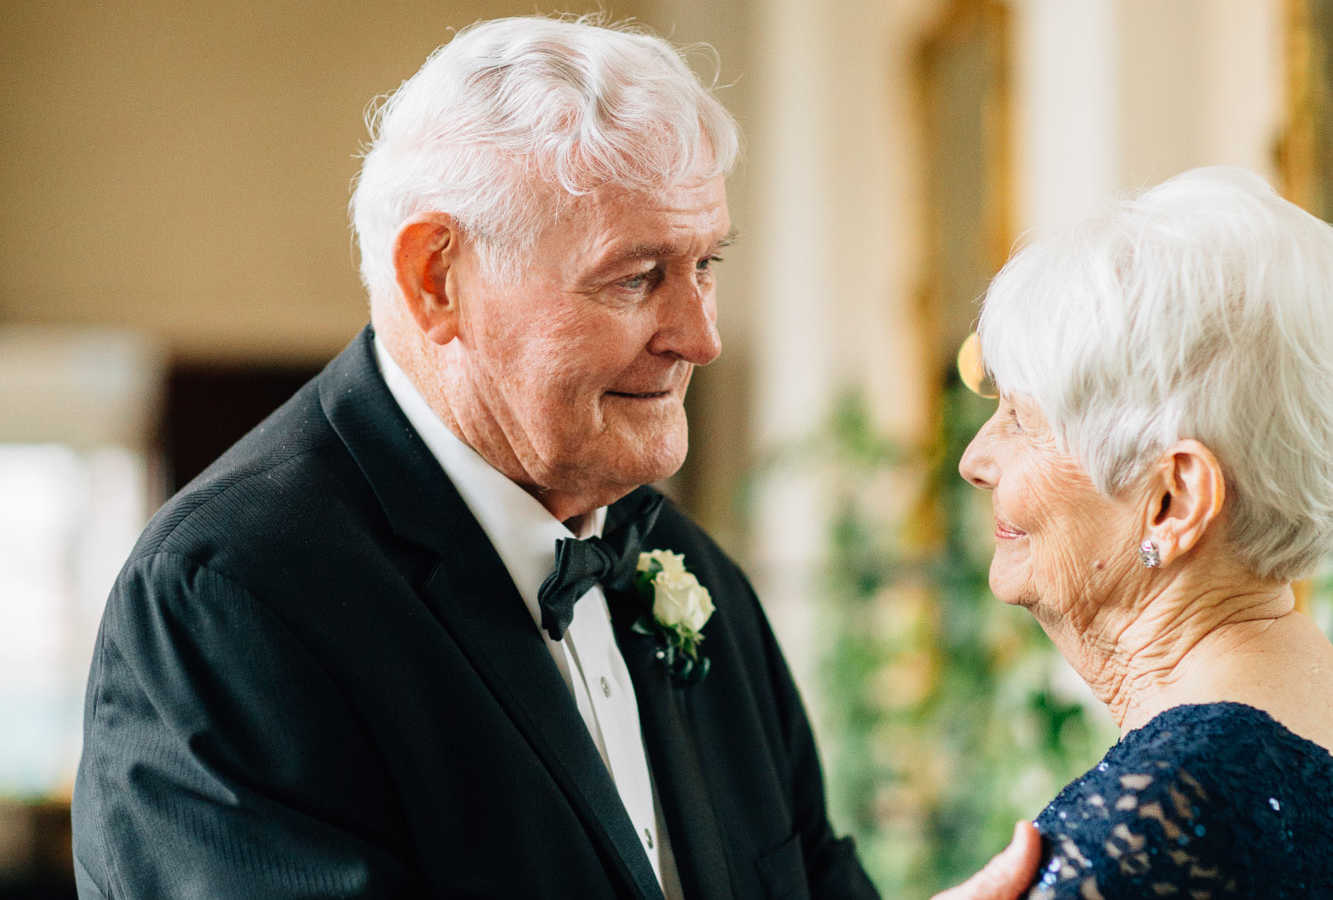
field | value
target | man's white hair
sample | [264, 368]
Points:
[514, 116]
[1203, 308]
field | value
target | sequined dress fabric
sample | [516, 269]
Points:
[1215, 800]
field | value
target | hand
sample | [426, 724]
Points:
[1006, 875]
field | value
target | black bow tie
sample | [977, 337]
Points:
[610, 560]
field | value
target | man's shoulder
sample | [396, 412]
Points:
[265, 476]
[286, 505]
[283, 528]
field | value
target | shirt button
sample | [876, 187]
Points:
[606, 687]
[648, 838]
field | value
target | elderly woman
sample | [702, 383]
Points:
[1161, 469]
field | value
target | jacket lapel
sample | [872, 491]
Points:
[470, 593]
[479, 605]
[665, 717]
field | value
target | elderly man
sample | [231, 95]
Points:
[348, 661]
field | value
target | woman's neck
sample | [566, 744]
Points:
[1184, 642]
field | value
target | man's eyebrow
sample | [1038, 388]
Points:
[646, 251]
[657, 251]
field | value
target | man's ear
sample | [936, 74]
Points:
[1188, 489]
[423, 256]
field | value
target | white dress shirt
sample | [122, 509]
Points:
[524, 533]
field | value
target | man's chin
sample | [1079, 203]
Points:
[616, 461]
[648, 467]
[648, 471]
[603, 481]
[646, 454]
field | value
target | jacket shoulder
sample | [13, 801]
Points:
[287, 498]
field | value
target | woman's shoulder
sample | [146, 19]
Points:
[1218, 799]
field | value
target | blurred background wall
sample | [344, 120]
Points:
[175, 260]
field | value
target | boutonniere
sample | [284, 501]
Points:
[678, 608]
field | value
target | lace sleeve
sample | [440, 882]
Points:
[1136, 833]
[1206, 801]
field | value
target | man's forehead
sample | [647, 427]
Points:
[682, 197]
[662, 222]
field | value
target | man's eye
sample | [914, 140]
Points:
[706, 263]
[640, 282]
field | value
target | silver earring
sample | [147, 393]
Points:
[1149, 555]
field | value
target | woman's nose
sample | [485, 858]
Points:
[978, 463]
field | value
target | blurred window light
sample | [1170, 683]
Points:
[71, 517]
[77, 415]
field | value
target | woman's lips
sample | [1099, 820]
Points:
[1007, 532]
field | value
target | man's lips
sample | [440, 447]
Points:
[642, 395]
[1007, 532]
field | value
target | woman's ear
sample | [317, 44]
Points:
[1188, 489]
[423, 255]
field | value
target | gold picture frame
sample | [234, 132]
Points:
[1305, 150]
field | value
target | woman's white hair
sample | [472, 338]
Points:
[1203, 308]
[512, 117]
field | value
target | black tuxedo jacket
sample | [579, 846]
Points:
[314, 678]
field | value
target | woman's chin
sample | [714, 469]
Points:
[1010, 590]
[1019, 600]
[998, 580]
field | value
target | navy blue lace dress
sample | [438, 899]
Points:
[1210, 801]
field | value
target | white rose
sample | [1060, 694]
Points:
[671, 563]
[680, 600]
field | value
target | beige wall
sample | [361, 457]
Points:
[183, 168]
[1201, 83]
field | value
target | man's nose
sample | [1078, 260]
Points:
[688, 325]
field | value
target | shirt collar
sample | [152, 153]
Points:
[520, 529]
